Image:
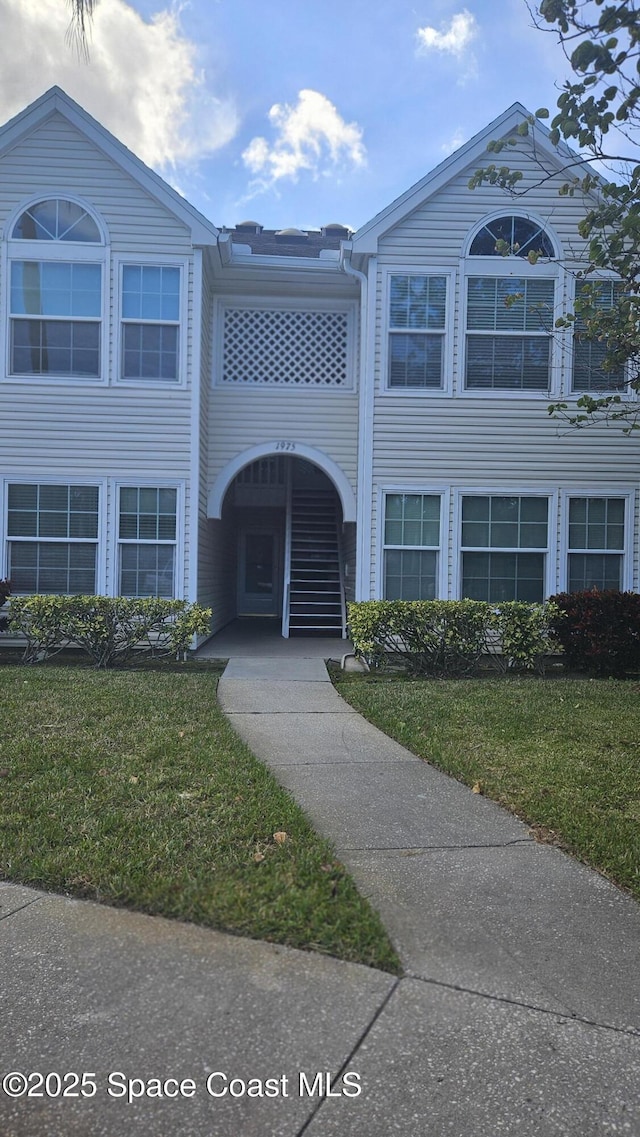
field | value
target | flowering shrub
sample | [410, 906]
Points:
[599, 630]
[108, 629]
[449, 637]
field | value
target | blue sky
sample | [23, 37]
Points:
[288, 113]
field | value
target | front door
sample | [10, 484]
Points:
[258, 573]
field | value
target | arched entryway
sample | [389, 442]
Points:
[284, 543]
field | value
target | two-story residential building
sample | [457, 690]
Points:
[273, 422]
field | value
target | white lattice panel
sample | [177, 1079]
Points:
[285, 348]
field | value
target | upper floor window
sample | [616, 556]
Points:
[417, 321]
[56, 219]
[150, 322]
[511, 235]
[55, 294]
[589, 353]
[509, 322]
[55, 311]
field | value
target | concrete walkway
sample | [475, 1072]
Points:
[519, 1012]
[518, 1015]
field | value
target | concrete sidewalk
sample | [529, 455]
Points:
[521, 965]
[518, 1014]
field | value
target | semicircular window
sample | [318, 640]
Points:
[56, 219]
[511, 236]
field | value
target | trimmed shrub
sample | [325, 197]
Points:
[524, 633]
[108, 629]
[599, 630]
[5, 593]
[450, 637]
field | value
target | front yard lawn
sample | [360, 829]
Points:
[564, 754]
[132, 789]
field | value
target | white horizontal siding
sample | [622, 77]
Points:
[440, 227]
[57, 157]
[79, 430]
[106, 429]
[421, 442]
[325, 420]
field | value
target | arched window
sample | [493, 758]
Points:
[510, 306]
[56, 219]
[517, 236]
[56, 264]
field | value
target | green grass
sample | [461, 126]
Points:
[563, 754]
[131, 788]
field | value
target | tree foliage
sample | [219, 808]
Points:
[79, 28]
[598, 111]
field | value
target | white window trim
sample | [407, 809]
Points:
[148, 260]
[447, 332]
[629, 496]
[284, 303]
[16, 249]
[47, 479]
[535, 218]
[550, 552]
[47, 194]
[444, 493]
[68, 253]
[567, 386]
[179, 583]
[519, 268]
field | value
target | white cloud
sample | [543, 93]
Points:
[309, 136]
[454, 39]
[143, 80]
[458, 138]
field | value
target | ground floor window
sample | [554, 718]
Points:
[596, 542]
[53, 538]
[147, 533]
[504, 547]
[411, 546]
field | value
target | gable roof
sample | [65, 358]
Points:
[366, 238]
[55, 100]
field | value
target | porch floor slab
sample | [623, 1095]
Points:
[261, 638]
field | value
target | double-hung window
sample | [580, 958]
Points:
[589, 353]
[147, 532]
[510, 318]
[55, 292]
[417, 323]
[504, 547]
[596, 542]
[150, 323]
[53, 538]
[509, 321]
[411, 546]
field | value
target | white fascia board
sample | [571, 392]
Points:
[365, 240]
[266, 261]
[203, 232]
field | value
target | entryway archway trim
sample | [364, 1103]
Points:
[287, 450]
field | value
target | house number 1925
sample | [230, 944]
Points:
[285, 446]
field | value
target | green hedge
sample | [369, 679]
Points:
[450, 637]
[5, 593]
[108, 629]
